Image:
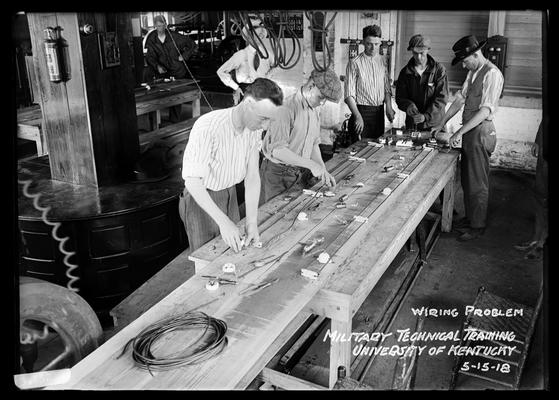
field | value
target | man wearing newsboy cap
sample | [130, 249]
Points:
[480, 97]
[422, 87]
[290, 146]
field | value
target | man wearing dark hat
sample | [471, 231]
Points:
[480, 97]
[367, 88]
[290, 146]
[422, 87]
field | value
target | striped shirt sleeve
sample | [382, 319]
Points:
[198, 152]
[350, 80]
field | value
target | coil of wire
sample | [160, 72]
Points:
[211, 342]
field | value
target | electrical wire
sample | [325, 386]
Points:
[278, 41]
[213, 336]
[250, 36]
[188, 69]
[327, 54]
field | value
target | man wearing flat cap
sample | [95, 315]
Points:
[290, 146]
[480, 97]
[422, 87]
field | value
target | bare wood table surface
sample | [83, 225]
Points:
[256, 322]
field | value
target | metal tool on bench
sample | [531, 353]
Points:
[221, 281]
[266, 261]
[255, 288]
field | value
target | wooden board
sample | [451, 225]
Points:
[255, 321]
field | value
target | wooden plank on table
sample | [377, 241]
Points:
[254, 321]
[391, 231]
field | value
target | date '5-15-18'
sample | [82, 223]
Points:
[486, 366]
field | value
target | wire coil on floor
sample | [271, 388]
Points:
[209, 344]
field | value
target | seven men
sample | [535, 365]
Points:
[480, 97]
[291, 145]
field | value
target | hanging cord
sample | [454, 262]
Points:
[278, 42]
[327, 55]
[188, 69]
[213, 338]
[250, 35]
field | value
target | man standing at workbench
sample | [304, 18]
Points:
[422, 87]
[291, 145]
[480, 97]
[367, 88]
[166, 56]
[223, 149]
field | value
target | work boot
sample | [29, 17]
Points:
[526, 245]
[462, 225]
[535, 253]
[470, 234]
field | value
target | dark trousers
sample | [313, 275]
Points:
[373, 121]
[477, 146]
[277, 178]
[200, 227]
[541, 196]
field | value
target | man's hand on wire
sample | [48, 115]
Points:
[231, 235]
[181, 59]
[436, 129]
[418, 118]
[328, 179]
[252, 234]
[455, 140]
[359, 124]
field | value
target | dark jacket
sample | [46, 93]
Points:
[166, 55]
[426, 94]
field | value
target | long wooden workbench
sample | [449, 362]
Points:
[260, 323]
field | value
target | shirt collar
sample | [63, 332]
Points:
[302, 99]
[235, 131]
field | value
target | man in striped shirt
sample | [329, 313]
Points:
[367, 88]
[222, 150]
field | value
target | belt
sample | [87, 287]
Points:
[285, 166]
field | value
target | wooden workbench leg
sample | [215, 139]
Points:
[157, 119]
[196, 108]
[448, 205]
[340, 351]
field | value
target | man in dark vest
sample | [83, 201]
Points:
[480, 97]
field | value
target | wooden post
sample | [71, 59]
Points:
[89, 121]
[448, 203]
[340, 350]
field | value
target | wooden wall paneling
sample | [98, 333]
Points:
[56, 112]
